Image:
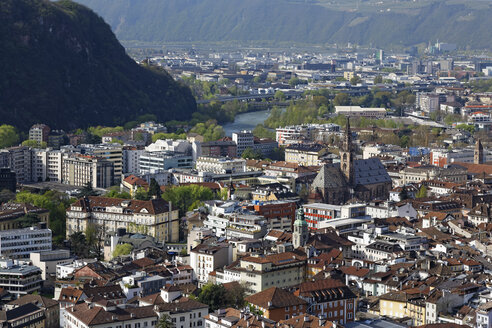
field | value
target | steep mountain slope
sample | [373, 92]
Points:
[62, 65]
[299, 21]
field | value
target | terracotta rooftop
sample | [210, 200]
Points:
[274, 298]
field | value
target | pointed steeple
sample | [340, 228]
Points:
[347, 144]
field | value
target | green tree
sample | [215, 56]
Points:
[183, 197]
[94, 235]
[378, 79]
[341, 99]
[154, 188]
[34, 144]
[165, 321]
[279, 95]
[142, 194]
[355, 80]
[249, 153]
[115, 193]
[215, 296]
[6, 195]
[8, 136]
[28, 220]
[260, 131]
[78, 244]
[422, 193]
[122, 249]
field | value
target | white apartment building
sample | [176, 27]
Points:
[131, 159]
[206, 258]
[79, 170]
[156, 161]
[47, 165]
[222, 165]
[19, 243]
[155, 216]
[243, 140]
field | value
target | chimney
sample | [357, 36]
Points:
[269, 303]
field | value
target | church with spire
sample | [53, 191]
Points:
[363, 179]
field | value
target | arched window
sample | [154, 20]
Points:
[344, 166]
[345, 157]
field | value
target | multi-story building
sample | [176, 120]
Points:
[48, 260]
[113, 153]
[304, 154]
[8, 180]
[131, 159]
[156, 161]
[206, 258]
[219, 148]
[19, 160]
[50, 308]
[427, 102]
[277, 304]
[261, 272]
[19, 243]
[246, 226]
[80, 170]
[27, 315]
[155, 216]
[419, 174]
[243, 140]
[444, 157]
[330, 298]
[220, 165]
[400, 304]
[19, 279]
[317, 213]
[357, 111]
[265, 146]
[47, 165]
[11, 212]
[39, 133]
[275, 210]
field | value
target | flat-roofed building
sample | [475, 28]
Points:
[357, 111]
[19, 243]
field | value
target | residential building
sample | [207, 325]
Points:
[8, 179]
[277, 304]
[427, 102]
[49, 307]
[419, 174]
[26, 315]
[265, 146]
[305, 154]
[19, 243]
[19, 279]
[246, 226]
[132, 184]
[219, 148]
[260, 272]
[317, 213]
[220, 165]
[131, 159]
[151, 162]
[206, 258]
[399, 304]
[113, 153]
[80, 170]
[19, 160]
[39, 133]
[11, 212]
[330, 298]
[110, 316]
[243, 140]
[156, 216]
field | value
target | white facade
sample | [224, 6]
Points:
[206, 258]
[243, 140]
[19, 243]
[131, 158]
[180, 146]
[220, 165]
[48, 261]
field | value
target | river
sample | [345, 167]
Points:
[246, 121]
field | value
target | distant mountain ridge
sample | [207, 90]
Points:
[62, 65]
[284, 20]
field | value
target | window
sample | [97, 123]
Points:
[181, 319]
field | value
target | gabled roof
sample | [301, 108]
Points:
[329, 177]
[130, 206]
[274, 298]
[370, 171]
[38, 300]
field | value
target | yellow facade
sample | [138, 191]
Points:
[401, 309]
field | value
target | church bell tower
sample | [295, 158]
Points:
[347, 156]
[478, 153]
